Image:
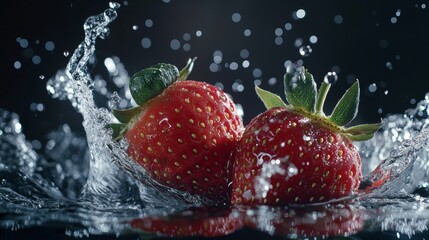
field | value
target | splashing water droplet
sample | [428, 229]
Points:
[114, 5]
[331, 77]
[305, 51]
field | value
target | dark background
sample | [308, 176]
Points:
[360, 47]
[370, 35]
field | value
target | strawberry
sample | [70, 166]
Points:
[183, 132]
[206, 222]
[295, 154]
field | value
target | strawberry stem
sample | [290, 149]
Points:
[184, 73]
[321, 97]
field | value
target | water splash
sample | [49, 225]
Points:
[399, 154]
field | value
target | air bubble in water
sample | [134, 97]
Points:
[278, 40]
[331, 77]
[278, 32]
[135, 27]
[313, 39]
[66, 53]
[198, 33]
[288, 26]
[41, 77]
[305, 51]
[36, 59]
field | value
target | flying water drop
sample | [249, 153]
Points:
[331, 77]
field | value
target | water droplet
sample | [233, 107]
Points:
[147, 43]
[175, 44]
[331, 77]
[372, 87]
[49, 46]
[298, 42]
[338, 19]
[66, 53]
[288, 26]
[278, 40]
[198, 33]
[219, 85]
[236, 17]
[36, 59]
[257, 73]
[233, 66]
[386, 92]
[393, 20]
[214, 67]
[135, 27]
[305, 51]
[247, 32]
[245, 64]
[389, 65]
[41, 77]
[186, 36]
[114, 5]
[148, 23]
[278, 32]
[272, 81]
[398, 12]
[17, 64]
[244, 53]
[22, 42]
[313, 39]
[187, 47]
[299, 14]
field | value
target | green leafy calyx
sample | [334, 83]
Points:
[144, 86]
[304, 98]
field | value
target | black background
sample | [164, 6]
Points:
[360, 46]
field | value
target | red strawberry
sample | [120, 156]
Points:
[294, 153]
[204, 222]
[185, 134]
